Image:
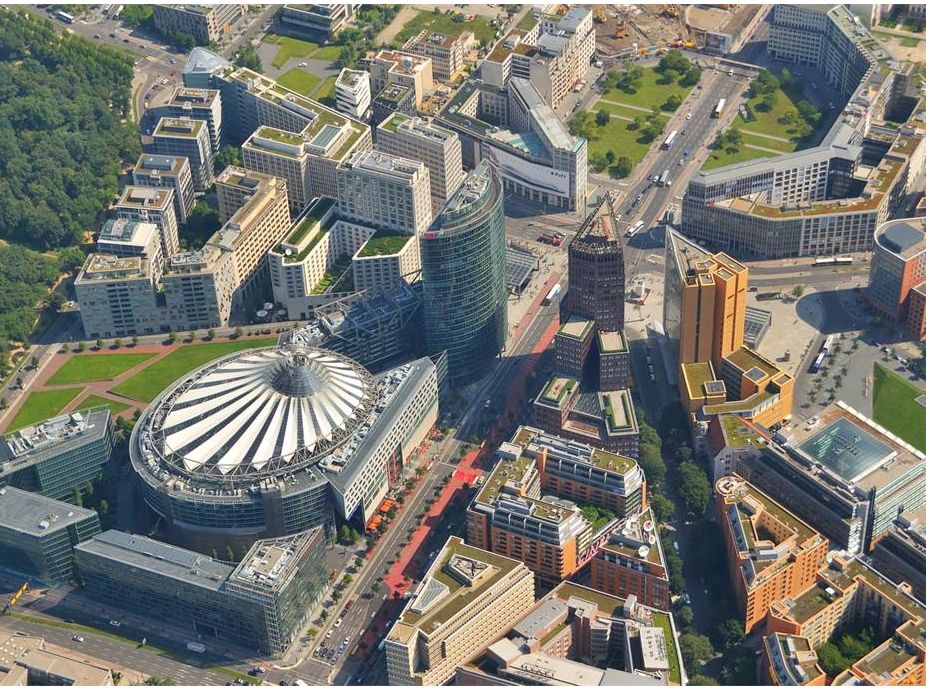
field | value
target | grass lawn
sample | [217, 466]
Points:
[41, 405]
[649, 93]
[444, 24]
[909, 42]
[324, 92]
[299, 80]
[147, 384]
[896, 409]
[289, 48]
[331, 53]
[718, 159]
[84, 368]
[616, 137]
[94, 401]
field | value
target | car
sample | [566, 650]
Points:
[97, 36]
[346, 640]
[687, 599]
[338, 622]
[675, 545]
[115, 622]
[729, 73]
[256, 671]
[78, 638]
[112, 35]
[681, 161]
[125, 40]
[342, 648]
[652, 376]
[688, 117]
[303, 64]
[328, 635]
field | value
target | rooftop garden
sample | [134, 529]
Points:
[314, 214]
[383, 243]
[280, 136]
[598, 517]
[557, 389]
[450, 23]
[332, 275]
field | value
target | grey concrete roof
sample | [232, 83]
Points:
[36, 515]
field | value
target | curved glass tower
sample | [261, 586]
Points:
[463, 273]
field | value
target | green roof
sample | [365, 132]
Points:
[383, 243]
[392, 122]
[280, 136]
[527, 22]
[738, 433]
[504, 470]
[557, 389]
[312, 216]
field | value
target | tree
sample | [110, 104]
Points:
[691, 77]
[171, 337]
[651, 461]
[81, 346]
[738, 667]
[99, 343]
[344, 534]
[238, 332]
[702, 680]
[156, 681]
[137, 15]
[77, 497]
[248, 57]
[117, 343]
[798, 291]
[210, 334]
[376, 586]
[731, 633]
[602, 118]
[831, 660]
[202, 222]
[348, 56]
[768, 101]
[71, 258]
[662, 506]
[696, 650]
[694, 489]
[191, 336]
[227, 156]
[358, 562]
[672, 103]
[622, 167]
[134, 341]
[685, 616]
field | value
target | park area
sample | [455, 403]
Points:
[633, 111]
[124, 381]
[897, 408]
[780, 121]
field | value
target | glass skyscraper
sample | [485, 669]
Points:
[463, 274]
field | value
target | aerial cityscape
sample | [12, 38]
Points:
[474, 344]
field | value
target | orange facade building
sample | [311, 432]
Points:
[772, 554]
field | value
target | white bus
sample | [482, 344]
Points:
[634, 229]
[844, 260]
[721, 104]
[553, 294]
[670, 140]
[64, 17]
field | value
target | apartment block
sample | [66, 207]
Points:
[199, 104]
[772, 554]
[632, 564]
[38, 535]
[386, 192]
[897, 280]
[467, 600]
[118, 297]
[395, 68]
[206, 23]
[395, 98]
[448, 53]
[849, 595]
[152, 170]
[191, 139]
[152, 205]
[122, 237]
[352, 93]
[281, 154]
[386, 260]
[421, 140]
[578, 636]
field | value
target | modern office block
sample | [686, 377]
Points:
[394, 68]
[446, 52]
[191, 139]
[772, 553]
[152, 170]
[281, 154]
[206, 23]
[421, 140]
[463, 271]
[59, 455]
[118, 297]
[897, 280]
[122, 237]
[199, 104]
[332, 438]
[385, 192]
[38, 535]
[316, 21]
[596, 274]
[395, 98]
[30, 661]
[467, 599]
[352, 93]
[152, 205]
[261, 603]
[387, 259]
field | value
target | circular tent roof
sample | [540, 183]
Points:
[260, 412]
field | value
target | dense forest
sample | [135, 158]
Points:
[64, 131]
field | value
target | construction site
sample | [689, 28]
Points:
[625, 31]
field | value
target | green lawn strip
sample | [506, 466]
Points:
[719, 159]
[649, 93]
[617, 137]
[41, 405]
[324, 92]
[93, 401]
[909, 41]
[178, 657]
[327, 53]
[299, 80]
[85, 368]
[147, 384]
[896, 409]
[445, 24]
[289, 48]
[766, 122]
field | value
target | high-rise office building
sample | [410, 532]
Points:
[352, 93]
[463, 270]
[118, 296]
[281, 154]
[772, 554]
[153, 170]
[59, 455]
[260, 603]
[152, 205]
[421, 140]
[897, 280]
[385, 192]
[394, 68]
[199, 104]
[206, 23]
[38, 535]
[596, 274]
[466, 600]
[191, 139]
